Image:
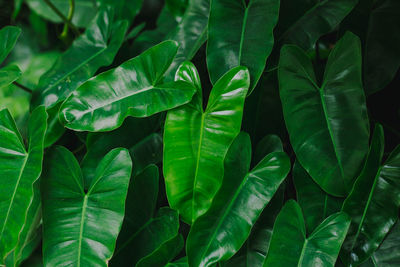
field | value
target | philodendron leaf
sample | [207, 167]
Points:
[290, 245]
[196, 141]
[326, 121]
[316, 204]
[373, 203]
[135, 88]
[145, 238]
[20, 168]
[388, 253]
[182, 262]
[221, 231]
[80, 228]
[8, 38]
[190, 33]
[93, 49]
[9, 74]
[321, 18]
[240, 34]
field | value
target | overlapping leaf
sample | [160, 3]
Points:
[373, 203]
[240, 34]
[80, 228]
[135, 88]
[20, 168]
[145, 239]
[291, 246]
[328, 121]
[221, 231]
[8, 38]
[196, 141]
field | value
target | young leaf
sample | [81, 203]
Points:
[290, 245]
[135, 88]
[190, 33]
[8, 38]
[327, 121]
[373, 203]
[196, 141]
[221, 231]
[20, 168]
[240, 34]
[80, 228]
[92, 50]
[144, 238]
[315, 203]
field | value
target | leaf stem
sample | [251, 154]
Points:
[61, 15]
[23, 87]
[70, 16]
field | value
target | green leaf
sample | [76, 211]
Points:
[321, 18]
[20, 168]
[373, 203]
[221, 231]
[270, 143]
[92, 50]
[240, 34]
[326, 121]
[8, 38]
[126, 136]
[290, 245]
[254, 251]
[191, 33]
[124, 9]
[84, 11]
[135, 88]
[182, 262]
[196, 141]
[177, 8]
[9, 74]
[315, 203]
[80, 228]
[146, 240]
[388, 253]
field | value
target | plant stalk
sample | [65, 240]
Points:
[23, 87]
[61, 15]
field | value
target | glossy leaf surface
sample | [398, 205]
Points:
[196, 141]
[86, 225]
[221, 231]
[190, 33]
[20, 168]
[93, 49]
[326, 121]
[135, 88]
[240, 34]
[315, 203]
[373, 203]
[291, 246]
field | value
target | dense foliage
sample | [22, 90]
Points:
[194, 133]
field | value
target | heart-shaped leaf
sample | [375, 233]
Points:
[196, 141]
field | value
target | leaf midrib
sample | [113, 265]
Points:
[82, 222]
[244, 23]
[14, 194]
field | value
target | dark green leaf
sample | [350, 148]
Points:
[135, 88]
[221, 231]
[190, 34]
[315, 203]
[373, 203]
[326, 121]
[20, 168]
[196, 141]
[8, 38]
[290, 245]
[240, 34]
[9, 74]
[124, 9]
[270, 143]
[80, 228]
